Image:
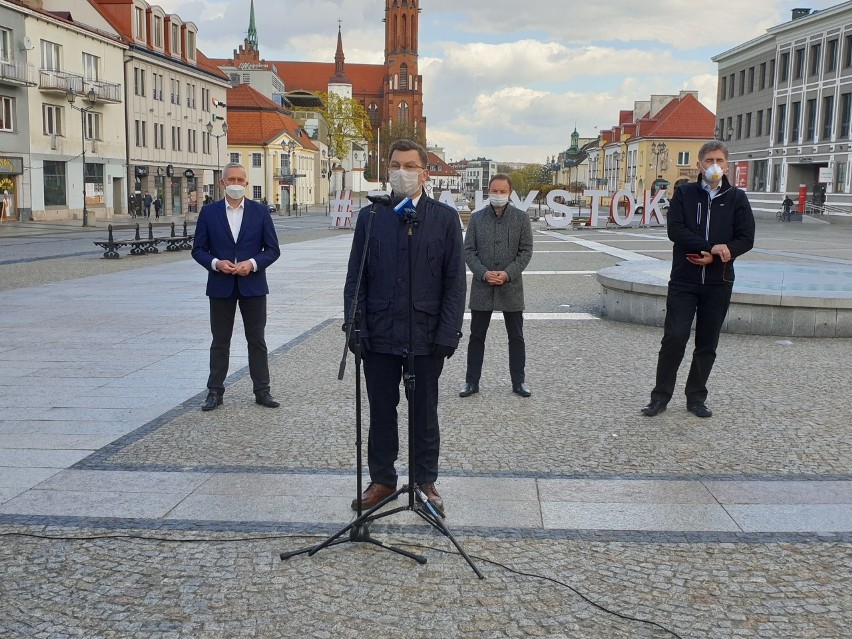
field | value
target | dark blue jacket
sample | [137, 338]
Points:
[257, 239]
[439, 279]
[695, 224]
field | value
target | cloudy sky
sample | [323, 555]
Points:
[506, 79]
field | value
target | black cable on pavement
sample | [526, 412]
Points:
[515, 571]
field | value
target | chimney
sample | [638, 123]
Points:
[801, 13]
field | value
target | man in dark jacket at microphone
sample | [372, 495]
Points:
[711, 224]
[438, 289]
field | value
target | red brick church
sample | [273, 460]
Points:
[391, 93]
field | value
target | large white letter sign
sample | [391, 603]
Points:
[558, 221]
[594, 216]
[652, 208]
[613, 207]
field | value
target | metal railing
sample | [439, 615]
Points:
[106, 91]
[18, 72]
[60, 81]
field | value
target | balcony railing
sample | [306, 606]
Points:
[105, 91]
[60, 81]
[17, 72]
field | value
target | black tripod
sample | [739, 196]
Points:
[358, 528]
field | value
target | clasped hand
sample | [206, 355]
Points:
[496, 278]
[242, 268]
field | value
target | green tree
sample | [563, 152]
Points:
[347, 120]
[533, 177]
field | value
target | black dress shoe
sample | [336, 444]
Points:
[468, 390]
[654, 407]
[700, 410]
[265, 399]
[522, 389]
[213, 400]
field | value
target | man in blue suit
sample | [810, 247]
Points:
[236, 242]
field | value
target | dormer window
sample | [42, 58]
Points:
[157, 36]
[175, 39]
[139, 23]
[190, 45]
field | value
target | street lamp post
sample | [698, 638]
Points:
[289, 147]
[91, 98]
[617, 157]
[658, 150]
[216, 186]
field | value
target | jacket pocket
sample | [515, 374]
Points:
[435, 257]
[426, 319]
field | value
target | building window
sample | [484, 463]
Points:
[175, 138]
[235, 158]
[795, 122]
[205, 99]
[7, 111]
[139, 23]
[50, 56]
[257, 192]
[190, 45]
[54, 183]
[742, 82]
[739, 126]
[175, 40]
[93, 125]
[683, 158]
[723, 87]
[141, 131]
[90, 66]
[751, 79]
[52, 119]
[782, 122]
[731, 85]
[759, 169]
[748, 125]
[159, 136]
[190, 95]
[94, 174]
[139, 81]
[831, 56]
[840, 177]
[847, 52]
[191, 141]
[799, 65]
[159, 83]
[205, 143]
[816, 52]
[827, 116]
[758, 126]
[785, 66]
[175, 92]
[235, 79]
[772, 72]
[158, 32]
[762, 76]
[845, 114]
[811, 132]
[247, 78]
[256, 160]
[402, 113]
[5, 45]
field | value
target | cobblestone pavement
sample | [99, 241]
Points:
[782, 415]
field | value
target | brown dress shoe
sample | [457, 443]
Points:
[433, 497]
[373, 495]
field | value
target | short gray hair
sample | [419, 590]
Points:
[713, 145]
[233, 165]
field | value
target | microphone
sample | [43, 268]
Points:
[379, 197]
[405, 209]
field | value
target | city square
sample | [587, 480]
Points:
[127, 512]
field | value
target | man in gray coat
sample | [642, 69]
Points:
[498, 246]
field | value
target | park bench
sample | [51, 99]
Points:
[144, 246]
[137, 245]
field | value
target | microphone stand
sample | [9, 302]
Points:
[358, 528]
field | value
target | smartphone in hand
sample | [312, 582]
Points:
[695, 256]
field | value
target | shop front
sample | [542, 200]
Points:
[11, 169]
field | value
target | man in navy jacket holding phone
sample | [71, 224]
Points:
[711, 224]
[235, 241]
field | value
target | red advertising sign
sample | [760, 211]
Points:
[741, 175]
[803, 197]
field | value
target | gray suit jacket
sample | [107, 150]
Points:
[498, 244]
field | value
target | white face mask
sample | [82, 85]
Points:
[405, 183]
[713, 174]
[498, 201]
[235, 191]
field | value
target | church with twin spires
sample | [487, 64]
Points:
[391, 93]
